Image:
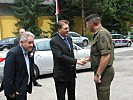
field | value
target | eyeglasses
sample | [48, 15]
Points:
[67, 28]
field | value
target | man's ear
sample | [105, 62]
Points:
[91, 22]
[20, 42]
[58, 30]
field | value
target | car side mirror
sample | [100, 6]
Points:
[75, 48]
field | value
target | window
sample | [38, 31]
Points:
[11, 39]
[43, 46]
[114, 37]
[8, 40]
[75, 35]
[117, 37]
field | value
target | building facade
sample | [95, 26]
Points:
[8, 20]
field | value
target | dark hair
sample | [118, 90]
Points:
[94, 18]
[61, 23]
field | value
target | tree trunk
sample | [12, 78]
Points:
[83, 17]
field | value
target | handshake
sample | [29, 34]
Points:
[83, 61]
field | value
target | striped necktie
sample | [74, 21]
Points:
[67, 42]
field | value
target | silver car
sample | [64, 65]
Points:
[44, 59]
[78, 39]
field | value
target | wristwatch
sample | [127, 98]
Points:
[98, 75]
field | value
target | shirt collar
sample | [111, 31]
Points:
[24, 51]
[62, 36]
[98, 30]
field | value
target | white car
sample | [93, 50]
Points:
[78, 39]
[44, 59]
[118, 40]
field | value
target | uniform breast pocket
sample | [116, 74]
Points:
[94, 49]
[95, 55]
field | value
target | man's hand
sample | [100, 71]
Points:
[87, 59]
[97, 78]
[14, 95]
[31, 54]
[82, 61]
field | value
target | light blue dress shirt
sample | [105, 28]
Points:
[27, 63]
[66, 41]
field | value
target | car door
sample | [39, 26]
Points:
[43, 57]
[81, 53]
[123, 41]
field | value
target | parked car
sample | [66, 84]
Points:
[78, 39]
[130, 35]
[7, 43]
[119, 40]
[44, 59]
[2, 62]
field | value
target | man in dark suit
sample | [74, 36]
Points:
[17, 69]
[64, 71]
[16, 41]
[32, 52]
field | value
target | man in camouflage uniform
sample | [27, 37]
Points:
[101, 57]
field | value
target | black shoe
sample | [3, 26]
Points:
[39, 85]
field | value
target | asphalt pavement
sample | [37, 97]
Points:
[121, 89]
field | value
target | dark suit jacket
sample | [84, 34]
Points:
[15, 72]
[64, 61]
[16, 41]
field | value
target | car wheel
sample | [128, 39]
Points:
[85, 43]
[5, 48]
[129, 44]
[36, 71]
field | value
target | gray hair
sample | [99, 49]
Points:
[94, 18]
[25, 36]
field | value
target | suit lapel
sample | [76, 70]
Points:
[63, 42]
[22, 59]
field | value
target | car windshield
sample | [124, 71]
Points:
[74, 35]
[117, 36]
[7, 40]
[42, 46]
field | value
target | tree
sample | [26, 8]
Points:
[85, 7]
[124, 12]
[28, 11]
[115, 14]
[65, 13]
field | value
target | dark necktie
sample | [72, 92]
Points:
[67, 42]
